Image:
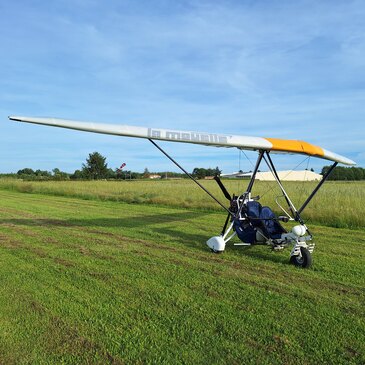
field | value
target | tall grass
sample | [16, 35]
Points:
[337, 204]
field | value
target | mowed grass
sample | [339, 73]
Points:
[337, 204]
[103, 282]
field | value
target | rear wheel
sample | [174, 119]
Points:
[303, 261]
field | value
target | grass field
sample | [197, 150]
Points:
[337, 204]
[100, 281]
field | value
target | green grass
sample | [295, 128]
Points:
[337, 204]
[97, 282]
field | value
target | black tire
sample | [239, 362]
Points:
[305, 261]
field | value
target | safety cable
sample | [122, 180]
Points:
[261, 178]
[285, 176]
[239, 182]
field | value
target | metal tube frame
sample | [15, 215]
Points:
[258, 162]
[225, 224]
[271, 167]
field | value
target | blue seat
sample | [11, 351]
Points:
[272, 227]
[246, 231]
[258, 217]
[254, 212]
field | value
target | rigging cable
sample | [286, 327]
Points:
[285, 176]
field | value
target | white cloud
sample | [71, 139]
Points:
[280, 69]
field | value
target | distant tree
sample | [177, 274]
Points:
[119, 174]
[111, 174]
[136, 175]
[26, 171]
[43, 173]
[128, 175]
[345, 173]
[357, 173]
[217, 171]
[60, 175]
[125, 174]
[77, 175]
[146, 173]
[201, 173]
[169, 174]
[95, 167]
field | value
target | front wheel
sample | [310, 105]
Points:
[215, 251]
[303, 261]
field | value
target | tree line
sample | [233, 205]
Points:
[96, 168]
[345, 173]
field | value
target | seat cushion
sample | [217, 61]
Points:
[272, 226]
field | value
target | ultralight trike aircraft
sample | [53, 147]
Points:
[251, 222]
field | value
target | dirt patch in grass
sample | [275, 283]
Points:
[16, 213]
[92, 253]
[36, 306]
[8, 242]
[51, 240]
[102, 233]
[102, 276]
[3, 237]
[37, 251]
[20, 229]
[63, 262]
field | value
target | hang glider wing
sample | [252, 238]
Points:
[209, 139]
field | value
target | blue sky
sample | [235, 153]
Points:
[287, 69]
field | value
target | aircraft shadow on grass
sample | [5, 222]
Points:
[128, 222]
[153, 225]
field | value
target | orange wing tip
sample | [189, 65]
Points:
[287, 145]
[293, 146]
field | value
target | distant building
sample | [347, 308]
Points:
[303, 175]
[154, 176]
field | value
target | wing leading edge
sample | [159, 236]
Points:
[209, 139]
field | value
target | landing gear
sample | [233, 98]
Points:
[303, 260]
[216, 244]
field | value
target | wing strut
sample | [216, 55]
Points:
[324, 178]
[296, 212]
[190, 176]
[271, 166]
